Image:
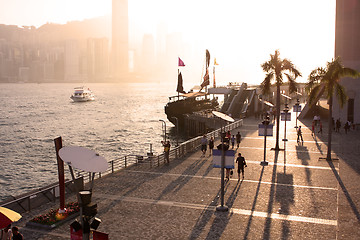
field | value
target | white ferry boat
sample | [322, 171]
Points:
[82, 94]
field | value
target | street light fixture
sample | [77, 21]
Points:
[164, 124]
[286, 110]
[297, 105]
[266, 124]
[222, 207]
[177, 130]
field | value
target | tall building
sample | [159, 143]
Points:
[71, 63]
[148, 54]
[347, 46]
[120, 39]
[97, 59]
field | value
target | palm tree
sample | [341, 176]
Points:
[326, 81]
[275, 69]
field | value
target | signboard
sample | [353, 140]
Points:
[75, 235]
[100, 236]
[288, 116]
[229, 158]
[297, 108]
[269, 130]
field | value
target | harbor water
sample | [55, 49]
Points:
[123, 120]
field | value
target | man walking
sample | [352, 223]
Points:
[238, 139]
[204, 143]
[299, 135]
[241, 164]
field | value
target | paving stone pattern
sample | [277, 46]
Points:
[297, 196]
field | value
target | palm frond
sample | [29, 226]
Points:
[266, 84]
[340, 94]
[292, 83]
[348, 72]
[267, 66]
[314, 93]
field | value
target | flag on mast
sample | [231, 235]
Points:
[215, 63]
[181, 63]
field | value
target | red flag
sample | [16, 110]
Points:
[181, 63]
[206, 79]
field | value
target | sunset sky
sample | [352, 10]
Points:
[240, 34]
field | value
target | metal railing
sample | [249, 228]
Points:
[121, 163]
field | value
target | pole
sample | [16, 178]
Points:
[222, 208]
[297, 110]
[286, 110]
[266, 123]
[60, 163]
[177, 131]
[165, 128]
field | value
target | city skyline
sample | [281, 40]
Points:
[240, 35]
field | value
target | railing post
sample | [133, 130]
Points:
[125, 161]
[112, 166]
[158, 160]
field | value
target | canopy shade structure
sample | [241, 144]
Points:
[7, 217]
[83, 159]
[223, 116]
[285, 96]
[267, 103]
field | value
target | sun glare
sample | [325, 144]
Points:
[240, 34]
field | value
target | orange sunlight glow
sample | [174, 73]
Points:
[239, 34]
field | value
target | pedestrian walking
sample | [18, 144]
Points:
[6, 233]
[204, 143]
[228, 136]
[238, 139]
[211, 145]
[241, 164]
[320, 128]
[299, 135]
[16, 234]
[232, 141]
[346, 127]
[166, 145]
[338, 125]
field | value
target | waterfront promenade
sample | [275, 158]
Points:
[297, 196]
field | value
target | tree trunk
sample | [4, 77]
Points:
[328, 157]
[277, 116]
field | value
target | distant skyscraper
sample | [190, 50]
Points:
[347, 46]
[120, 38]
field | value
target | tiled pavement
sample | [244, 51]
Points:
[297, 196]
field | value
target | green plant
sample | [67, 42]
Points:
[53, 216]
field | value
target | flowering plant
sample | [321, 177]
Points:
[53, 216]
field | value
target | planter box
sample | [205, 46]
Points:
[55, 225]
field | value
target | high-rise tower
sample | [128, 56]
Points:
[120, 39]
[347, 47]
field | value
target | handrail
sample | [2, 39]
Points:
[129, 160]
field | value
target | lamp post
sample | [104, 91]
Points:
[286, 110]
[297, 104]
[222, 207]
[266, 124]
[164, 124]
[177, 130]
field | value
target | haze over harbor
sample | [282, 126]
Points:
[239, 34]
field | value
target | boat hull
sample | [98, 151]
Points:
[80, 99]
[177, 110]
